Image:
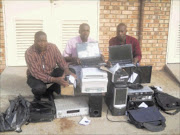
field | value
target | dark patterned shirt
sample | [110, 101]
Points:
[41, 65]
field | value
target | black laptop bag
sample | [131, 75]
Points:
[166, 102]
[149, 118]
[42, 111]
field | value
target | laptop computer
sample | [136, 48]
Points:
[89, 54]
[121, 54]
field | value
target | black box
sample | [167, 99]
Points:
[42, 111]
[95, 105]
[116, 99]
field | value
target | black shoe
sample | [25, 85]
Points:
[55, 88]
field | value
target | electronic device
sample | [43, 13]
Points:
[119, 77]
[93, 80]
[95, 105]
[143, 74]
[71, 106]
[116, 99]
[136, 97]
[144, 94]
[120, 97]
[121, 54]
[89, 54]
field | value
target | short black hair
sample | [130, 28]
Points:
[38, 34]
[121, 24]
[82, 25]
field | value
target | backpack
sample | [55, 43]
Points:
[166, 102]
[15, 116]
[149, 118]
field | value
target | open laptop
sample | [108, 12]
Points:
[89, 54]
[121, 54]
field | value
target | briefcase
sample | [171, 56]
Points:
[42, 111]
[149, 118]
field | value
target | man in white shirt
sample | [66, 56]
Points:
[70, 53]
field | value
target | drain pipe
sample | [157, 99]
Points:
[141, 6]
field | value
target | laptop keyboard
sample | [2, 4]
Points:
[123, 63]
[92, 62]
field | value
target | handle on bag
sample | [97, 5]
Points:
[173, 113]
[154, 128]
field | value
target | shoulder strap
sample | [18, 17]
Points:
[154, 128]
[173, 113]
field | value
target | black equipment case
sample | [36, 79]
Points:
[42, 111]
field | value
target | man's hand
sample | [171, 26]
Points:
[73, 75]
[109, 64]
[68, 72]
[135, 61]
[76, 60]
[73, 60]
[61, 81]
[102, 56]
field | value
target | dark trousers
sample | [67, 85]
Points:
[39, 88]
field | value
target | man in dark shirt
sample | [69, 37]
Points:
[122, 38]
[42, 58]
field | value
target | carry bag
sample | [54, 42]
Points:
[149, 118]
[42, 111]
[15, 116]
[166, 102]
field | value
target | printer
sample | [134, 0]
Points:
[93, 80]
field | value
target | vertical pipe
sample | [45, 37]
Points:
[140, 20]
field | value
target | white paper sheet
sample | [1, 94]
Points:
[85, 121]
[72, 80]
[133, 77]
[143, 105]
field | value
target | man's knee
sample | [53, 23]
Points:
[39, 90]
[57, 72]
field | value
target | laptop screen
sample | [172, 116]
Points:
[88, 50]
[120, 52]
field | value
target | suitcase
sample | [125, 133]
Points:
[42, 111]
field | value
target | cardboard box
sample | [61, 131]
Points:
[69, 91]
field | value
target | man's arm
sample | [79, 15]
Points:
[62, 63]
[137, 52]
[72, 60]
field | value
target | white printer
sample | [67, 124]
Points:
[93, 80]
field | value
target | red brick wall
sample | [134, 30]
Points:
[2, 46]
[155, 23]
[155, 33]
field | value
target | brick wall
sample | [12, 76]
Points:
[2, 46]
[155, 23]
[155, 33]
[154, 30]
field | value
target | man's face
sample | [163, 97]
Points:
[121, 32]
[41, 43]
[84, 33]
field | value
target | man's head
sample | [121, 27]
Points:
[121, 31]
[40, 41]
[84, 30]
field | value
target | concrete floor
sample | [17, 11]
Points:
[174, 70]
[13, 83]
